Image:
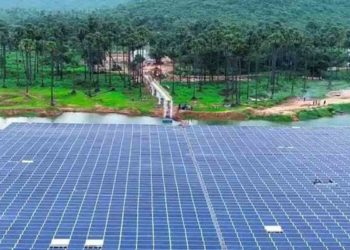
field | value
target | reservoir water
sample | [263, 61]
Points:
[339, 120]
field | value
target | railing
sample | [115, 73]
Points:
[164, 98]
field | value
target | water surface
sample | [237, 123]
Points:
[69, 117]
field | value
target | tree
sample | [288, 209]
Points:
[4, 34]
[94, 55]
[27, 46]
[51, 48]
[273, 44]
[16, 35]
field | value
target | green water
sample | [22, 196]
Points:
[339, 120]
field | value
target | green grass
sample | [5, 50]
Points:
[273, 118]
[318, 89]
[13, 97]
[323, 112]
[315, 113]
[208, 99]
[341, 108]
[39, 98]
[212, 96]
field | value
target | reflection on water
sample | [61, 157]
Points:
[340, 120]
[336, 121]
[71, 117]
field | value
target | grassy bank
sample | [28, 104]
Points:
[315, 113]
[39, 99]
[273, 118]
[212, 97]
[73, 92]
[15, 100]
[307, 114]
[341, 108]
[329, 111]
[120, 100]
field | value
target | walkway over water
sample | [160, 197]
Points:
[164, 98]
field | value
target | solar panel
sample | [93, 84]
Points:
[159, 187]
[254, 184]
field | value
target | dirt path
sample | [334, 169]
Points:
[296, 104]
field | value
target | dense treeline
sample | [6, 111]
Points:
[197, 48]
[64, 41]
[212, 49]
[296, 13]
[60, 4]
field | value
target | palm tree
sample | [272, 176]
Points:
[52, 47]
[275, 41]
[27, 46]
[108, 46]
[4, 34]
[94, 54]
[16, 35]
[173, 54]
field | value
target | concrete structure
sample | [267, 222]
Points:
[145, 52]
[164, 98]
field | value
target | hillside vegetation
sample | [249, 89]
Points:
[60, 4]
[293, 12]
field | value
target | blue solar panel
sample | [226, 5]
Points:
[158, 187]
[260, 176]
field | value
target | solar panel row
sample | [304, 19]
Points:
[155, 187]
[257, 182]
[126, 185]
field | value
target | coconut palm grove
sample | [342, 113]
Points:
[161, 124]
[59, 56]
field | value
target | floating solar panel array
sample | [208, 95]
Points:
[157, 187]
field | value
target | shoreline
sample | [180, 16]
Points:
[222, 116]
[55, 112]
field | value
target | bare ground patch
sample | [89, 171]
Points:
[294, 105]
